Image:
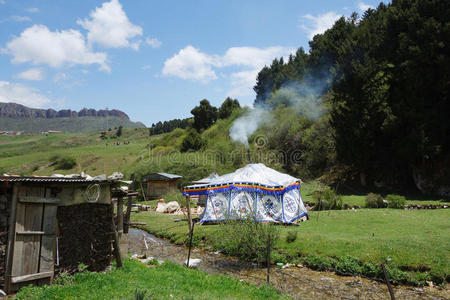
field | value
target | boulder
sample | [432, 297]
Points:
[172, 206]
[161, 207]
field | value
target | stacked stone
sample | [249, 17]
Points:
[84, 237]
[4, 217]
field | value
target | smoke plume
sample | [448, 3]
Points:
[303, 97]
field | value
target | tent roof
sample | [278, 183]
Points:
[208, 179]
[252, 173]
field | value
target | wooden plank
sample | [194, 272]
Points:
[29, 277]
[48, 241]
[30, 232]
[120, 215]
[18, 242]
[32, 243]
[34, 199]
[11, 236]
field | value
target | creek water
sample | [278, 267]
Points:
[298, 282]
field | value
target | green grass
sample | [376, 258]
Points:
[414, 241]
[166, 281]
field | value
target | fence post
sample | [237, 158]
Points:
[268, 257]
[386, 278]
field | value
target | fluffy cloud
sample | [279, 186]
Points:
[31, 74]
[22, 94]
[153, 42]
[318, 24]
[39, 45]
[363, 6]
[109, 26]
[190, 63]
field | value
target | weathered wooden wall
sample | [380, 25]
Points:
[84, 236]
[157, 188]
[5, 207]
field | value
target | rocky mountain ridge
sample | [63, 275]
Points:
[14, 110]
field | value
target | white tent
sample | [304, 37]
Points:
[254, 191]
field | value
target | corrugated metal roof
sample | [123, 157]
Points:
[162, 174]
[46, 179]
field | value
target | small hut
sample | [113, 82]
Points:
[52, 224]
[161, 183]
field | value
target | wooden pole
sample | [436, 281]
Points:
[120, 214]
[11, 237]
[129, 205]
[116, 243]
[190, 225]
[190, 245]
[386, 278]
[188, 208]
[268, 258]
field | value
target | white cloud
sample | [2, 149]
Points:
[146, 67]
[39, 45]
[109, 26]
[153, 42]
[190, 63]
[33, 10]
[318, 24]
[31, 74]
[20, 18]
[22, 94]
[60, 76]
[363, 6]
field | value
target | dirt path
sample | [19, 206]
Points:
[298, 282]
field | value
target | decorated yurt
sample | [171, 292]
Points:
[254, 191]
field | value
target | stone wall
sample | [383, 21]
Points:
[5, 207]
[84, 237]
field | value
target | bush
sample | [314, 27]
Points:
[192, 141]
[371, 271]
[318, 263]
[291, 236]
[396, 201]
[348, 265]
[327, 199]
[246, 239]
[374, 201]
[62, 163]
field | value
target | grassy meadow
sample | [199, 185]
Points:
[414, 242]
[166, 281]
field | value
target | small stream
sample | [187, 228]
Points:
[298, 282]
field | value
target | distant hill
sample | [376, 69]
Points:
[18, 117]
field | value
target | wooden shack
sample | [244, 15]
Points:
[52, 224]
[159, 184]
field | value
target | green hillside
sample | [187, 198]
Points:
[70, 125]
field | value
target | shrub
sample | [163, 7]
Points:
[396, 201]
[246, 239]
[397, 276]
[327, 199]
[371, 271]
[374, 201]
[192, 141]
[318, 263]
[65, 163]
[291, 236]
[348, 265]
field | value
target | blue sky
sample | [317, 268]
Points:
[155, 60]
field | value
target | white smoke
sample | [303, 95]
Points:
[246, 125]
[303, 97]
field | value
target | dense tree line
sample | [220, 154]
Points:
[384, 80]
[168, 126]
